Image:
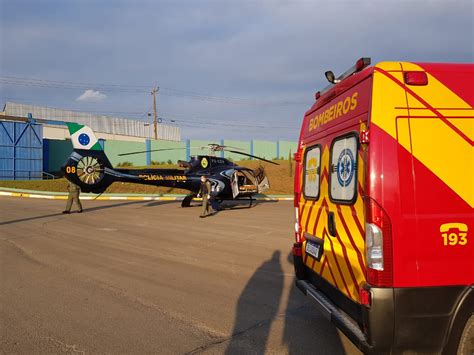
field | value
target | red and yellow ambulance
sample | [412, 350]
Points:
[384, 197]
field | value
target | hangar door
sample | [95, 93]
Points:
[21, 151]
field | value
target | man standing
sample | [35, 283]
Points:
[205, 192]
[73, 195]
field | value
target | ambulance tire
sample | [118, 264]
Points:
[466, 343]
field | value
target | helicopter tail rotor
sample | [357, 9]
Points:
[88, 165]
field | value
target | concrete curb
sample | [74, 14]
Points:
[116, 197]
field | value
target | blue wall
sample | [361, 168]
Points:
[21, 151]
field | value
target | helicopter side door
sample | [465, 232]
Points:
[263, 185]
[262, 180]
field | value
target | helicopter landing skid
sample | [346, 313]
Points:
[251, 200]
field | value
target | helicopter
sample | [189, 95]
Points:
[90, 169]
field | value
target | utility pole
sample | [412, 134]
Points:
[155, 114]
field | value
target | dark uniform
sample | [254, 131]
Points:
[205, 192]
[73, 195]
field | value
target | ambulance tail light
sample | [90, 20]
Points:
[378, 245]
[374, 246]
[297, 181]
[297, 249]
[297, 225]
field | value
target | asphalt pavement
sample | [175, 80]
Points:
[151, 277]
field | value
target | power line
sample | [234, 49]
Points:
[25, 101]
[187, 121]
[195, 121]
[65, 86]
[74, 82]
[206, 125]
[69, 85]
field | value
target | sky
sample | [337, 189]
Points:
[232, 69]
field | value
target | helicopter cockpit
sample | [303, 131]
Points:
[195, 163]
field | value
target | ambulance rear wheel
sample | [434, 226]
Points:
[466, 343]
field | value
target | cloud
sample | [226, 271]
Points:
[255, 50]
[92, 96]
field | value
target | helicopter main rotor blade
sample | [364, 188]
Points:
[252, 156]
[152, 150]
[218, 148]
[224, 147]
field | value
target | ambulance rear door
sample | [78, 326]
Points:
[331, 205]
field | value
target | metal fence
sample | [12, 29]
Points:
[57, 151]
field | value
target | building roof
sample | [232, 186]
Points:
[98, 123]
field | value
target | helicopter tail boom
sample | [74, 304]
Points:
[90, 169]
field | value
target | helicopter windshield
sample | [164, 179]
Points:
[194, 163]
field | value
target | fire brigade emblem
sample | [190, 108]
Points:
[345, 167]
[312, 171]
